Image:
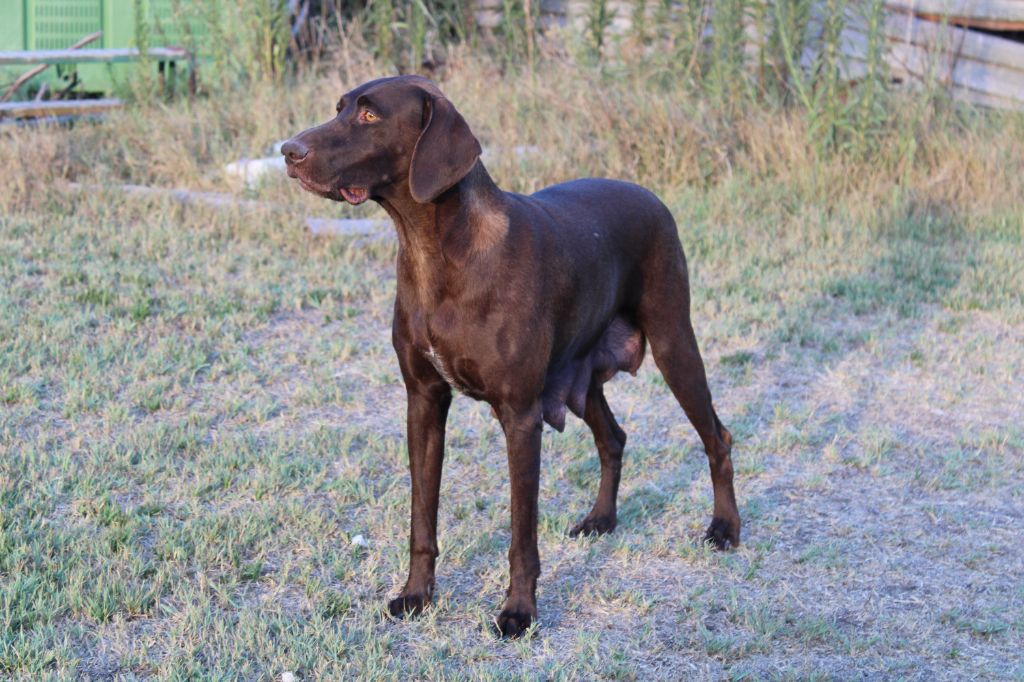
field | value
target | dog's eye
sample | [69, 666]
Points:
[367, 116]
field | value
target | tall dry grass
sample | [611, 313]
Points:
[644, 116]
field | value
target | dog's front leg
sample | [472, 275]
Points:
[522, 432]
[426, 417]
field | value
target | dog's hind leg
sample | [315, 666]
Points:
[665, 319]
[610, 440]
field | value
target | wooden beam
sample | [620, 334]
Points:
[349, 227]
[1002, 15]
[185, 196]
[977, 67]
[366, 227]
[956, 41]
[973, 22]
[109, 55]
[74, 107]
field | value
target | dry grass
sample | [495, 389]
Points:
[199, 409]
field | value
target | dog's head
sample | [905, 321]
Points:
[388, 133]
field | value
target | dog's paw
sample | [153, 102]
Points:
[594, 525]
[511, 624]
[408, 605]
[723, 534]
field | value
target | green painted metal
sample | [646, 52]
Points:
[12, 25]
[57, 24]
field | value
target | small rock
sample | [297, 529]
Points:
[288, 677]
[359, 540]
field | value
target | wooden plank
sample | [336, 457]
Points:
[969, 73]
[991, 83]
[986, 99]
[970, 44]
[72, 107]
[185, 196]
[344, 227]
[372, 227]
[920, 61]
[126, 54]
[857, 69]
[1005, 15]
[969, 22]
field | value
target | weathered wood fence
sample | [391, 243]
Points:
[975, 48]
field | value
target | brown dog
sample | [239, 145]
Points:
[529, 303]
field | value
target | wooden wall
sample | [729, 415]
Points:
[973, 47]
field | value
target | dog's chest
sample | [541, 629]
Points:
[438, 362]
[459, 371]
[457, 351]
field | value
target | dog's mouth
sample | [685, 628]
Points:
[353, 195]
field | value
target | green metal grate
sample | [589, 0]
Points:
[59, 23]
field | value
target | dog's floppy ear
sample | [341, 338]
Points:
[445, 152]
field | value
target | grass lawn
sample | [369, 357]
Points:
[202, 449]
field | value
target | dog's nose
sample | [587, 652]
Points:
[294, 151]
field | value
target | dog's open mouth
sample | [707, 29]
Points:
[354, 195]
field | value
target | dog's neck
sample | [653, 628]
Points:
[439, 238]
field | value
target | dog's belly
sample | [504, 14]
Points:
[620, 349]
